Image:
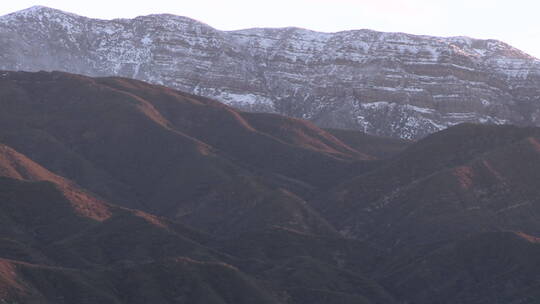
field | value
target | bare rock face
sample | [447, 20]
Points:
[390, 84]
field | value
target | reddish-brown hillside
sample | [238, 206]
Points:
[118, 191]
[167, 152]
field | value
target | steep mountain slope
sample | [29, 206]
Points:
[134, 193]
[214, 158]
[464, 180]
[54, 235]
[390, 84]
[66, 208]
[53, 216]
[61, 244]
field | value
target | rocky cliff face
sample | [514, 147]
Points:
[390, 84]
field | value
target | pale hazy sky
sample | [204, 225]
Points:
[514, 21]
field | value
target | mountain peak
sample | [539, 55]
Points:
[422, 84]
[38, 11]
[35, 8]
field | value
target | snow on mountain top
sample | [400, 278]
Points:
[37, 11]
[347, 79]
[466, 45]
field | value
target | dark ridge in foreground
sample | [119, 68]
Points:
[117, 191]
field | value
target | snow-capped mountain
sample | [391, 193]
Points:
[391, 84]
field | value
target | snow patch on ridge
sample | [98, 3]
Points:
[244, 99]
